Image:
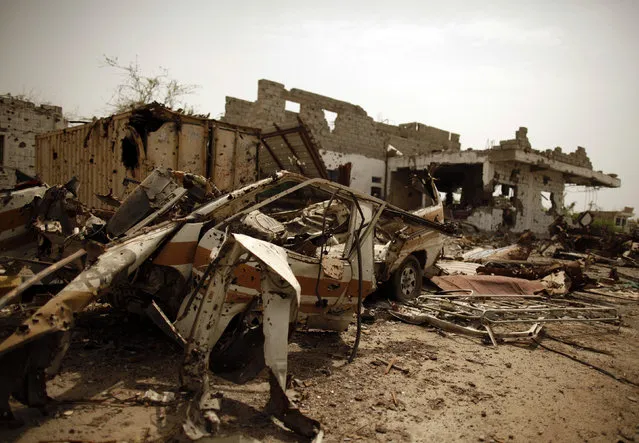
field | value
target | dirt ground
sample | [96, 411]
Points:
[455, 388]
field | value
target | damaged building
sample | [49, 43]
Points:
[20, 122]
[231, 235]
[620, 220]
[353, 146]
[510, 186]
[110, 154]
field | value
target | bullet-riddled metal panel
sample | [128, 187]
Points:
[191, 151]
[104, 153]
[245, 159]
[224, 158]
[161, 148]
[91, 152]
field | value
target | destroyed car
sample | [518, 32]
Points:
[243, 267]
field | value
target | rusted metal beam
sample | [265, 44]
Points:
[39, 276]
[279, 132]
[290, 148]
[310, 147]
[270, 151]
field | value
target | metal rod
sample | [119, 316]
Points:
[179, 193]
[444, 296]
[279, 132]
[290, 148]
[15, 293]
[546, 320]
[515, 311]
[312, 150]
[491, 334]
[273, 156]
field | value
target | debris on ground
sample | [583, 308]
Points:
[228, 277]
[225, 276]
[163, 398]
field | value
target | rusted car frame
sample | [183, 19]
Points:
[316, 249]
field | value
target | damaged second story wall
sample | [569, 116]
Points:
[20, 122]
[345, 132]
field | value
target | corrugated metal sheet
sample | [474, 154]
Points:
[224, 152]
[489, 284]
[454, 267]
[191, 155]
[161, 148]
[104, 153]
[234, 153]
[91, 152]
[152, 136]
[245, 159]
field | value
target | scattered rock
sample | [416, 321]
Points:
[327, 372]
[368, 316]
[165, 397]
[437, 403]
[381, 428]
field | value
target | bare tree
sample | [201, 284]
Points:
[138, 89]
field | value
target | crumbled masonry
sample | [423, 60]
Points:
[230, 235]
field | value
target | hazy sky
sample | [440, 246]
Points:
[568, 70]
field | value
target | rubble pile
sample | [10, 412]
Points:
[225, 276]
[228, 276]
[480, 287]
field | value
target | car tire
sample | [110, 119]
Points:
[407, 279]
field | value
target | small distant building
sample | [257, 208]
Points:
[20, 122]
[618, 219]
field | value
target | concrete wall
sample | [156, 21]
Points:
[529, 181]
[576, 158]
[530, 184]
[352, 132]
[20, 121]
[486, 218]
[362, 172]
[417, 138]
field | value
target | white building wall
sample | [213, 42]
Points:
[530, 185]
[363, 169]
[486, 218]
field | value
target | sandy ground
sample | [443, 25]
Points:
[456, 388]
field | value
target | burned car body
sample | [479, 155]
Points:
[209, 269]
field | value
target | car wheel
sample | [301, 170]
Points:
[407, 280]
